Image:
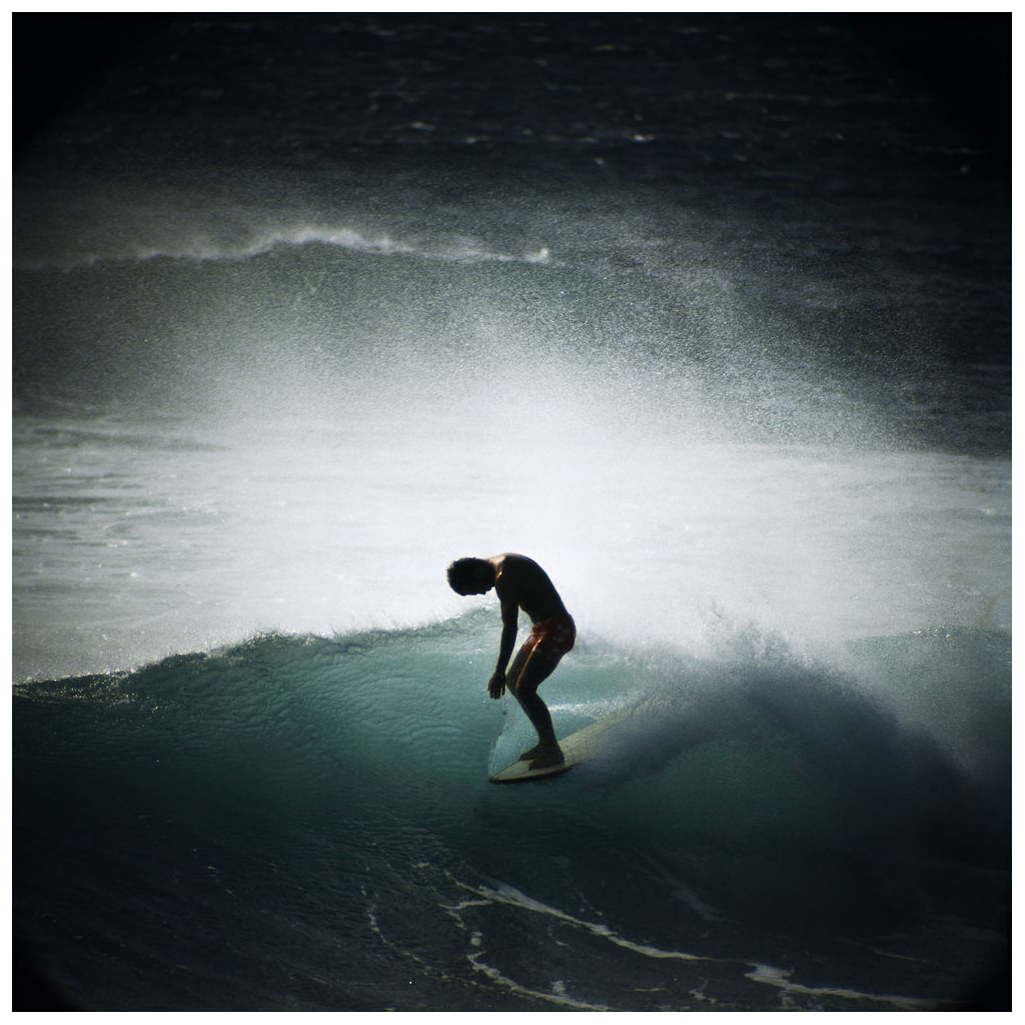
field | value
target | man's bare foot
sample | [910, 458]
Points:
[545, 758]
[532, 753]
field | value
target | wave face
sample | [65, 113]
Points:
[306, 823]
[708, 315]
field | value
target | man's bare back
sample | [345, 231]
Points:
[521, 583]
[521, 580]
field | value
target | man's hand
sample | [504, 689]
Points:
[496, 685]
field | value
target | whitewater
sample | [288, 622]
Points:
[749, 412]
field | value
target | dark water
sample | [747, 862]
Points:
[710, 316]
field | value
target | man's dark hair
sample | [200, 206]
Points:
[461, 573]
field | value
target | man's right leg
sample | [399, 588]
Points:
[535, 671]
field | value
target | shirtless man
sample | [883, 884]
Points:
[521, 583]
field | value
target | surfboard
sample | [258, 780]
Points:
[521, 772]
[576, 747]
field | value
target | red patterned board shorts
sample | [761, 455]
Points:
[551, 639]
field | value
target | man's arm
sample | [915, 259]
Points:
[510, 621]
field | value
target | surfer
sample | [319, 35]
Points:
[521, 583]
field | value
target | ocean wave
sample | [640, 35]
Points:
[739, 806]
[763, 736]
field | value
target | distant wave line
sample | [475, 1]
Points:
[343, 238]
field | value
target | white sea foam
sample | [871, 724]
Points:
[271, 526]
[757, 972]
